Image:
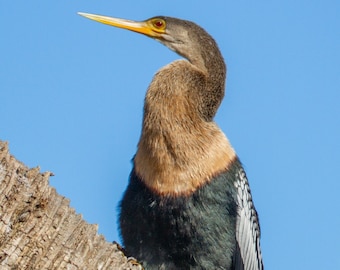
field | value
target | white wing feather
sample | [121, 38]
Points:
[247, 228]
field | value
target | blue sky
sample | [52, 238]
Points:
[72, 90]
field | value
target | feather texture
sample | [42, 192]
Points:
[248, 253]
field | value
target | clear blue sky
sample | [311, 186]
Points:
[72, 90]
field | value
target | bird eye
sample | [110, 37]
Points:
[158, 23]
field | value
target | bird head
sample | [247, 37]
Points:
[178, 35]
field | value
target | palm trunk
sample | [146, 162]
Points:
[39, 229]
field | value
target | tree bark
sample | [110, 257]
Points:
[39, 229]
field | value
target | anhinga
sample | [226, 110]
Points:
[188, 204]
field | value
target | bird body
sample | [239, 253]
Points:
[182, 232]
[188, 204]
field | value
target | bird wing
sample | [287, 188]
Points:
[248, 253]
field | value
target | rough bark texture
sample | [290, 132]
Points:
[39, 230]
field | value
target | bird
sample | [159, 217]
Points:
[188, 203]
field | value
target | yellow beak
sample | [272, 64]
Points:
[139, 27]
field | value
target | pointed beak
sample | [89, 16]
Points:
[139, 27]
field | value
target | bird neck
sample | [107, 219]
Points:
[179, 150]
[207, 58]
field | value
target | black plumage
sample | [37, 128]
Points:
[183, 232]
[196, 231]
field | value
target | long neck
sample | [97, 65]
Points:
[179, 150]
[207, 57]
